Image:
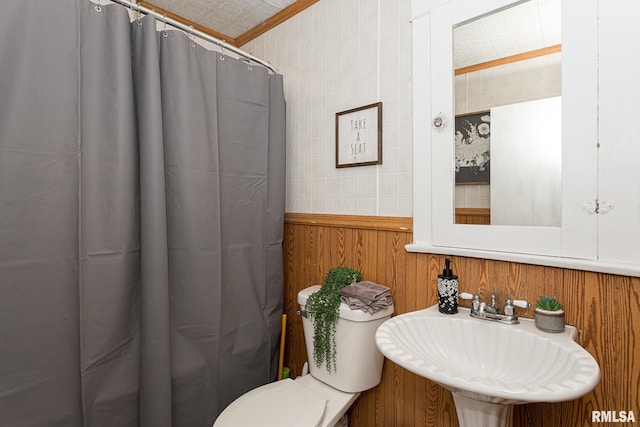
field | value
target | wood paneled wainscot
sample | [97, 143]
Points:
[473, 216]
[604, 307]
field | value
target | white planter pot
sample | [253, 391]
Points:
[549, 321]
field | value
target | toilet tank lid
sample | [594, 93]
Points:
[345, 311]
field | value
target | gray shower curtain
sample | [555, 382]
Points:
[141, 221]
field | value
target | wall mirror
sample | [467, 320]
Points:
[507, 72]
[569, 232]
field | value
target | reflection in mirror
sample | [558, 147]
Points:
[508, 141]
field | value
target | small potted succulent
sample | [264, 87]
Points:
[549, 315]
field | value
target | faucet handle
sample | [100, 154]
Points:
[509, 308]
[475, 303]
[521, 303]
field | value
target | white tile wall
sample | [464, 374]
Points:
[520, 81]
[334, 56]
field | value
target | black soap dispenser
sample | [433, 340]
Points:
[447, 290]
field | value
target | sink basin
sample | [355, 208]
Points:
[486, 363]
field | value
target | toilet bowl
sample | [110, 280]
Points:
[321, 398]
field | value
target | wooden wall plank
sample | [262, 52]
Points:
[295, 353]
[605, 308]
[384, 276]
[592, 338]
[422, 282]
[572, 293]
[473, 216]
[609, 298]
[633, 386]
[436, 264]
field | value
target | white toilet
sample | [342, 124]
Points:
[322, 398]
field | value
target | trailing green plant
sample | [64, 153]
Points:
[323, 308]
[549, 304]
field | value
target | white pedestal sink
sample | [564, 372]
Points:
[488, 366]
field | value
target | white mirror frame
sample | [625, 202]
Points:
[574, 244]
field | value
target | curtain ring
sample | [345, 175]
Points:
[139, 19]
[191, 36]
[98, 7]
[165, 33]
[248, 62]
[222, 55]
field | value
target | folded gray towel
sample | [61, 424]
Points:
[356, 304]
[366, 296]
[366, 291]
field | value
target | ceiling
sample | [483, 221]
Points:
[531, 25]
[526, 27]
[228, 19]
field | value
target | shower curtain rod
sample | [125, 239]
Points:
[190, 30]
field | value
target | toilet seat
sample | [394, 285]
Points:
[279, 404]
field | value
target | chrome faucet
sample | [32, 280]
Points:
[481, 310]
[493, 308]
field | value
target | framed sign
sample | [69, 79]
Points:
[359, 136]
[473, 148]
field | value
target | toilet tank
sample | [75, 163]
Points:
[358, 360]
